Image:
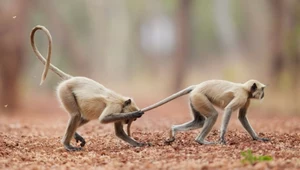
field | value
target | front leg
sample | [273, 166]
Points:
[244, 121]
[233, 105]
[226, 118]
[122, 135]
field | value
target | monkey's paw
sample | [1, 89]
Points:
[142, 144]
[222, 142]
[262, 139]
[72, 148]
[204, 142]
[147, 144]
[80, 139]
[170, 140]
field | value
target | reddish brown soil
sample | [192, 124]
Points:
[30, 139]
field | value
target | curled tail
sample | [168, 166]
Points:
[170, 98]
[47, 63]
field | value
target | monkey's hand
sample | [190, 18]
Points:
[261, 139]
[137, 114]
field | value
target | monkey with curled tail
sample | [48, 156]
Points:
[85, 99]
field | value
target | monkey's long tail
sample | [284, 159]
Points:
[47, 63]
[170, 98]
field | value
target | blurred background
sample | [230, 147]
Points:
[149, 49]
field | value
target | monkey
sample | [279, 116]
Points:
[226, 95]
[85, 99]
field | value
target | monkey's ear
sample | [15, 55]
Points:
[127, 102]
[253, 87]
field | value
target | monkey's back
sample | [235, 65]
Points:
[91, 96]
[218, 92]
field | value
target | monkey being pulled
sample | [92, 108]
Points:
[223, 94]
[85, 99]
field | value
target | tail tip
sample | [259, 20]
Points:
[41, 82]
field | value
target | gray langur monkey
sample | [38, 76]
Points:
[85, 99]
[223, 94]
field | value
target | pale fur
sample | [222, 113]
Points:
[220, 93]
[47, 63]
[223, 94]
[85, 99]
[93, 97]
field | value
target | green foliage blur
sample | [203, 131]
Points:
[248, 157]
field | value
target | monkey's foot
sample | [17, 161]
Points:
[170, 140]
[147, 144]
[222, 142]
[140, 144]
[261, 139]
[204, 142]
[80, 139]
[72, 148]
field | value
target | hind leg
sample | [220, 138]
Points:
[69, 101]
[77, 137]
[204, 106]
[70, 132]
[196, 123]
[209, 123]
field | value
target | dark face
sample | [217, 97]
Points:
[257, 91]
[129, 106]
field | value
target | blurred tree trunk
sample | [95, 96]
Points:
[116, 61]
[277, 62]
[226, 29]
[183, 40]
[99, 31]
[71, 45]
[291, 49]
[227, 33]
[285, 48]
[13, 17]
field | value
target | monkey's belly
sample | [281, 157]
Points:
[222, 102]
[91, 109]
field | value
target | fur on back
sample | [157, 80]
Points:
[220, 92]
[91, 96]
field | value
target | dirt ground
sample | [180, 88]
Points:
[30, 139]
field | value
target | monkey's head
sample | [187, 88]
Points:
[255, 89]
[129, 106]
